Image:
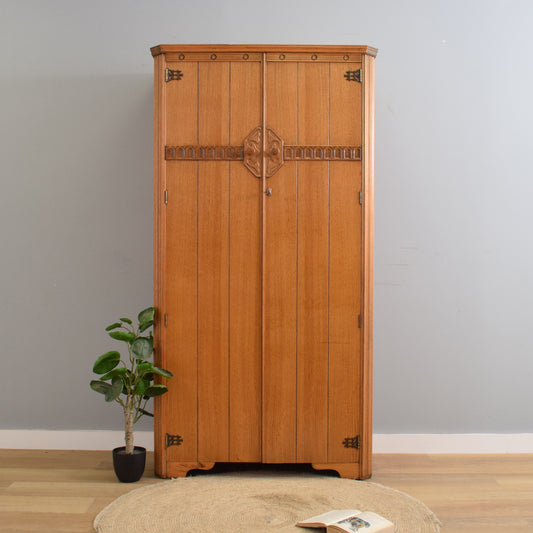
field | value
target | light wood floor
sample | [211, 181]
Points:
[62, 491]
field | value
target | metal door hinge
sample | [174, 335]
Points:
[361, 197]
[173, 440]
[353, 75]
[351, 442]
[166, 319]
[359, 321]
[166, 196]
[173, 75]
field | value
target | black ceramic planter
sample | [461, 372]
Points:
[129, 467]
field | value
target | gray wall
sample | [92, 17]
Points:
[453, 250]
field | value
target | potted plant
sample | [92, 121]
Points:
[129, 382]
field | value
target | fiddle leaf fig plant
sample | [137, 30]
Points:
[130, 381]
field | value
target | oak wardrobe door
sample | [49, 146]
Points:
[211, 269]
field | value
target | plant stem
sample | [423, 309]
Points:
[128, 425]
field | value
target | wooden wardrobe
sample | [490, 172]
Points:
[263, 238]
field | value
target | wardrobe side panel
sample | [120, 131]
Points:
[158, 236]
[368, 263]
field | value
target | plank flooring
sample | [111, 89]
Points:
[60, 491]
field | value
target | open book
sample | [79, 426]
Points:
[349, 520]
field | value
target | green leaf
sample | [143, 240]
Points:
[114, 390]
[122, 336]
[127, 320]
[145, 325]
[146, 315]
[142, 348]
[106, 362]
[162, 372]
[155, 390]
[117, 372]
[142, 386]
[144, 370]
[146, 413]
[100, 386]
[113, 326]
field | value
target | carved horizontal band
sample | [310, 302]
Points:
[204, 153]
[252, 155]
[290, 153]
[322, 153]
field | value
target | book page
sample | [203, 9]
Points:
[331, 517]
[366, 522]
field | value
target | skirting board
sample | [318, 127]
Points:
[395, 443]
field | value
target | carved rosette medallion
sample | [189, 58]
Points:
[274, 152]
[253, 150]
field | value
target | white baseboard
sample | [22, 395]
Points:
[383, 443]
[454, 443]
[37, 439]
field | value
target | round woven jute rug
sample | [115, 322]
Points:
[256, 502]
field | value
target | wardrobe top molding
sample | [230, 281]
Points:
[258, 48]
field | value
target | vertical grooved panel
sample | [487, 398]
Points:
[279, 277]
[313, 250]
[245, 272]
[345, 274]
[179, 272]
[213, 266]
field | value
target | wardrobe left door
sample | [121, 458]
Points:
[208, 254]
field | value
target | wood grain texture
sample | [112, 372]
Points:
[179, 275]
[280, 277]
[175, 469]
[158, 245]
[350, 470]
[180, 339]
[339, 49]
[245, 274]
[263, 293]
[345, 389]
[313, 267]
[345, 277]
[368, 265]
[469, 493]
[213, 266]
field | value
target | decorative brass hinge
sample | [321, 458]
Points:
[353, 75]
[173, 75]
[351, 442]
[174, 440]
